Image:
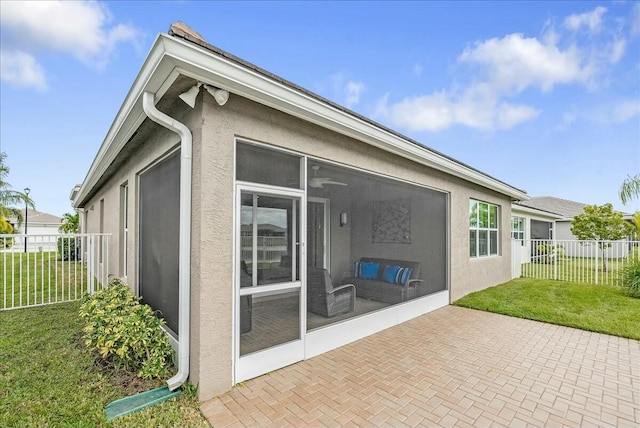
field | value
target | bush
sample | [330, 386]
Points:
[69, 248]
[630, 275]
[125, 333]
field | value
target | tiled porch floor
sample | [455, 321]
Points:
[451, 367]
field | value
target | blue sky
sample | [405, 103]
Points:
[542, 95]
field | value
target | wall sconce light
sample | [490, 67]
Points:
[190, 96]
[220, 95]
[343, 219]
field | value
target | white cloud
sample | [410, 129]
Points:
[506, 67]
[22, 70]
[625, 110]
[430, 113]
[477, 108]
[83, 30]
[353, 91]
[417, 69]
[618, 48]
[591, 20]
[569, 117]
[509, 115]
[514, 63]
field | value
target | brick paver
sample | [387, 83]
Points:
[453, 367]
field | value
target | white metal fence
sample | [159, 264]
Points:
[44, 269]
[594, 262]
[269, 248]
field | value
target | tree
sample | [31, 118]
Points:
[10, 198]
[600, 223]
[630, 188]
[635, 219]
[70, 223]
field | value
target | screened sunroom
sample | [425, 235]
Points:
[319, 244]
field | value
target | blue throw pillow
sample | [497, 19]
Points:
[403, 275]
[389, 273]
[396, 274]
[367, 270]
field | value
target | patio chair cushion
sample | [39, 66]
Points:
[367, 270]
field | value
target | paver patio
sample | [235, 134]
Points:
[451, 367]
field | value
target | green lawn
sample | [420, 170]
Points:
[599, 308]
[34, 278]
[48, 377]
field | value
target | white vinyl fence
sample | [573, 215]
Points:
[44, 269]
[593, 262]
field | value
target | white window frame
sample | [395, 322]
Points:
[518, 227]
[124, 232]
[476, 228]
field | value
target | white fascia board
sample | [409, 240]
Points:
[515, 208]
[169, 54]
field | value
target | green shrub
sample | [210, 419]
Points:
[125, 333]
[69, 248]
[630, 275]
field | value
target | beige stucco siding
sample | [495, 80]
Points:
[214, 131]
[241, 118]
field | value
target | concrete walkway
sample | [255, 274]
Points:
[452, 367]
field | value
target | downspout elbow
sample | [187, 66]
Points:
[184, 264]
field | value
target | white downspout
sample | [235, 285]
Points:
[184, 264]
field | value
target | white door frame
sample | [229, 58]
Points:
[260, 362]
[327, 228]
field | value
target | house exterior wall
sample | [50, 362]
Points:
[213, 211]
[214, 130]
[38, 242]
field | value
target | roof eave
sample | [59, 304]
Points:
[170, 57]
[531, 210]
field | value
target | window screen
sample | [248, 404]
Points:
[159, 235]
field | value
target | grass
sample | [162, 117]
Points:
[599, 308]
[33, 278]
[48, 377]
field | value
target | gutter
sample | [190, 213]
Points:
[184, 262]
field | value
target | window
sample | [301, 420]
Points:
[483, 229]
[517, 228]
[158, 194]
[258, 164]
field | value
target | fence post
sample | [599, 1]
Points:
[90, 272]
[597, 247]
[555, 259]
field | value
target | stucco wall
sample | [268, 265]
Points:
[214, 130]
[242, 118]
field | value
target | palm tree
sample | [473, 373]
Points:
[10, 198]
[70, 223]
[630, 188]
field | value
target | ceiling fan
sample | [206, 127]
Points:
[319, 182]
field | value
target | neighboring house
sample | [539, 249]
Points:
[564, 208]
[211, 161]
[39, 227]
[554, 215]
[528, 223]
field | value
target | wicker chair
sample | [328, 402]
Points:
[325, 299]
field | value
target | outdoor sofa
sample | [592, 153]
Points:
[385, 280]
